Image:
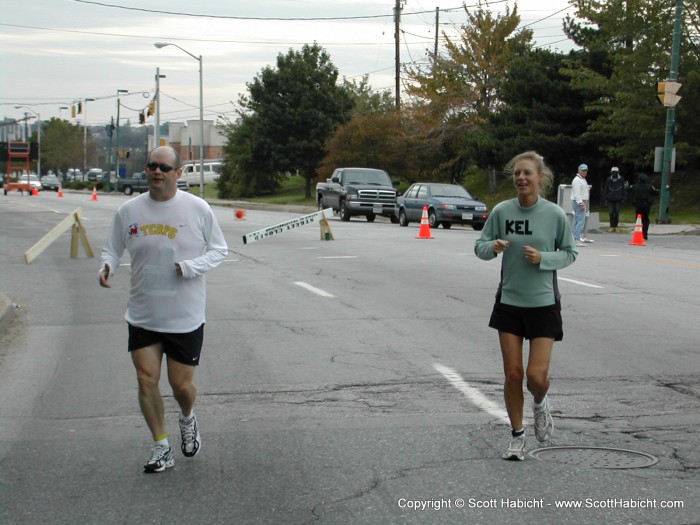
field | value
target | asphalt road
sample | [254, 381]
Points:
[349, 381]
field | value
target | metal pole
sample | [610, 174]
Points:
[85, 137]
[85, 133]
[670, 122]
[156, 131]
[38, 140]
[109, 165]
[201, 112]
[201, 130]
[117, 138]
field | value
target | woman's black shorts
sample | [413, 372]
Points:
[184, 348]
[529, 323]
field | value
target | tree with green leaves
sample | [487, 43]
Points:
[295, 108]
[628, 45]
[540, 110]
[61, 145]
[458, 91]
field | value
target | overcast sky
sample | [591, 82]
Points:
[55, 52]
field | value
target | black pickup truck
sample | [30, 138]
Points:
[139, 183]
[359, 191]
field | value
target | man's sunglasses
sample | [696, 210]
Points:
[165, 168]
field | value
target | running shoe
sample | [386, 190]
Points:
[587, 240]
[580, 244]
[515, 449]
[161, 458]
[191, 440]
[544, 424]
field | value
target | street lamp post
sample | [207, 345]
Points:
[38, 140]
[156, 129]
[201, 113]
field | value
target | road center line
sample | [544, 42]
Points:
[578, 282]
[313, 289]
[472, 394]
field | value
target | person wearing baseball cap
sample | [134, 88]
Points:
[580, 203]
[614, 193]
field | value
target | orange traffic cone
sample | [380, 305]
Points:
[35, 192]
[240, 215]
[638, 235]
[424, 232]
[60, 191]
[94, 194]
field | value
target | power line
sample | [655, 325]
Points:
[258, 18]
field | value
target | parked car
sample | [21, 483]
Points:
[190, 171]
[33, 181]
[50, 182]
[95, 174]
[447, 204]
[138, 182]
[73, 174]
[358, 191]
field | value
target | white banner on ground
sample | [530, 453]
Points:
[286, 226]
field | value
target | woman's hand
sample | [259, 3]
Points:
[532, 255]
[499, 246]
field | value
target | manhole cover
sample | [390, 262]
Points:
[596, 457]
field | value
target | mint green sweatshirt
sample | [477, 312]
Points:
[543, 226]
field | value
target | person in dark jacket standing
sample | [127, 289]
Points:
[642, 195]
[615, 192]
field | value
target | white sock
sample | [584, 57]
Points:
[540, 405]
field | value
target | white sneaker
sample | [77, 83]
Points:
[516, 448]
[589, 241]
[579, 244]
[161, 458]
[191, 440]
[544, 424]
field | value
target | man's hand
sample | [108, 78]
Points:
[104, 278]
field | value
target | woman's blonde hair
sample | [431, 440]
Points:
[535, 157]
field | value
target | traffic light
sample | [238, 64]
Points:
[80, 108]
[152, 108]
[142, 118]
[666, 93]
[72, 111]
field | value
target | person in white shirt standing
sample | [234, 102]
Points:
[580, 202]
[173, 239]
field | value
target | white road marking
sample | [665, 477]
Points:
[313, 289]
[472, 394]
[579, 282]
[339, 257]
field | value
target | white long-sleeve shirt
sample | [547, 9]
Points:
[157, 235]
[579, 190]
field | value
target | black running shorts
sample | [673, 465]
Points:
[529, 323]
[183, 348]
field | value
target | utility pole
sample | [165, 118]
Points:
[119, 92]
[670, 121]
[397, 39]
[437, 32]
